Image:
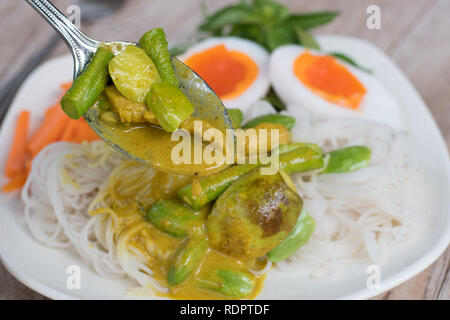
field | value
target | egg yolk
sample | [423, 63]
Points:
[229, 73]
[329, 79]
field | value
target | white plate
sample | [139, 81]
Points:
[44, 269]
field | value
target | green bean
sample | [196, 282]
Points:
[298, 160]
[284, 148]
[187, 258]
[348, 159]
[298, 236]
[213, 186]
[173, 218]
[88, 86]
[133, 73]
[169, 104]
[301, 160]
[155, 44]
[236, 117]
[229, 283]
[284, 120]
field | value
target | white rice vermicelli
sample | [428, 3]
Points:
[358, 215]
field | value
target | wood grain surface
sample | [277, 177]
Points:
[416, 34]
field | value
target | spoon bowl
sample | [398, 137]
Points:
[207, 106]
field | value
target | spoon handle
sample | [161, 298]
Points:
[82, 46]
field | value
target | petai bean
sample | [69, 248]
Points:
[284, 120]
[173, 218]
[298, 236]
[187, 258]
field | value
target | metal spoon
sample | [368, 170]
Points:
[206, 103]
[92, 10]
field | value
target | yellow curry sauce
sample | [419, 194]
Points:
[127, 198]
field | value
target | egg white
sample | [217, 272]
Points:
[377, 105]
[257, 53]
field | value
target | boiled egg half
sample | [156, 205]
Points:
[327, 85]
[236, 69]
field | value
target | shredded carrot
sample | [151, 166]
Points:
[55, 127]
[18, 153]
[15, 183]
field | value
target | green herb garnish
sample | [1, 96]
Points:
[266, 22]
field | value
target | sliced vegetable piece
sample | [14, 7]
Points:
[155, 45]
[229, 283]
[298, 236]
[300, 159]
[187, 259]
[169, 104]
[173, 218]
[348, 159]
[133, 73]
[88, 86]
[213, 186]
[303, 159]
[284, 120]
[15, 165]
[284, 148]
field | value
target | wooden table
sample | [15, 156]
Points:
[416, 34]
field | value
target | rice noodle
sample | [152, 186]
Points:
[358, 215]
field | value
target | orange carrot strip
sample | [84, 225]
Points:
[50, 130]
[28, 166]
[18, 152]
[70, 130]
[15, 183]
[65, 86]
[85, 132]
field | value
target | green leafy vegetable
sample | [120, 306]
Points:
[308, 21]
[274, 100]
[266, 22]
[306, 39]
[350, 61]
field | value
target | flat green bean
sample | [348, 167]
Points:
[348, 159]
[300, 159]
[187, 258]
[292, 146]
[284, 120]
[213, 186]
[173, 218]
[229, 283]
[298, 236]
[88, 86]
